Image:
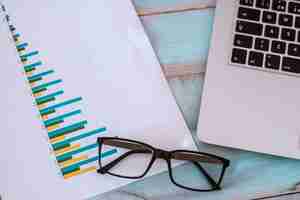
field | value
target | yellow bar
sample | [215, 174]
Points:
[57, 139]
[78, 172]
[52, 128]
[29, 73]
[72, 161]
[38, 94]
[45, 117]
[64, 150]
[41, 106]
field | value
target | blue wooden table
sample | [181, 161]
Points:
[180, 33]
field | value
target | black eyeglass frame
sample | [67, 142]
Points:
[167, 156]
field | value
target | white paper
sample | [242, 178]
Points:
[100, 51]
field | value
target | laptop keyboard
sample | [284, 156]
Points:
[267, 35]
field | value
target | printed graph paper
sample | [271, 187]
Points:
[72, 140]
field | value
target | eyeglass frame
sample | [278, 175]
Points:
[167, 156]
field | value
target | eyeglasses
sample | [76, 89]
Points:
[207, 170]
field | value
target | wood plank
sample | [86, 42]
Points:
[181, 40]
[161, 11]
[183, 71]
[153, 7]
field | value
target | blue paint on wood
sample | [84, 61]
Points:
[181, 37]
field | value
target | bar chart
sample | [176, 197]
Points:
[70, 137]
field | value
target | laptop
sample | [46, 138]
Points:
[251, 97]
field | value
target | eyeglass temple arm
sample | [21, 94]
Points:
[109, 166]
[210, 180]
[196, 158]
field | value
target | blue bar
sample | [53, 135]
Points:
[45, 110]
[29, 54]
[77, 151]
[20, 46]
[66, 129]
[90, 160]
[45, 85]
[50, 95]
[79, 137]
[40, 75]
[36, 64]
[50, 121]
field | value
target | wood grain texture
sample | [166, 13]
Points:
[183, 71]
[155, 7]
[181, 41]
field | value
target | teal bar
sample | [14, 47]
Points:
[40, 75]
[23, 45]
[35, 80]
[61, 104]
[48, 112]
[55, 122]
[77, 165]
[73, 167]
[67, 129]
[29, 69]
[108, 153]
[36, 64]
[65, 159]
[70, 114]
[77, 151]
[45, 85]
[79, 137]
[49, 96]
[24, 59]
[29, 54]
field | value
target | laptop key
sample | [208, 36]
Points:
[297, 22]
[249, 27]
[285, 20]
[294, 8]
[256, 59]
[262, 44]
[294, 50]
[249, 14]
[272, 62]
[271, 31]
[288, 34]
[239, 56]
[263, 4]
[269, 17]
[279, 5]
[278, 47]
[246, 2]
[291, 65]
[243, 41]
